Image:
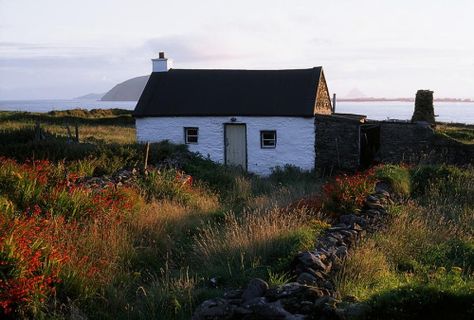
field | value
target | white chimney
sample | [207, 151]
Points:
[161, 64]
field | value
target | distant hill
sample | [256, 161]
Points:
[90, 96]
[129, 90]
[355, 93]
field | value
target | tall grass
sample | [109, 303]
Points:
[246, 245]
[426, 248]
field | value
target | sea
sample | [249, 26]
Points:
[459, 112]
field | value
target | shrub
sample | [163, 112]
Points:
[56, 191]
[347, 193]
[29, 264]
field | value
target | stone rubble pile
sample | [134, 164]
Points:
[119, 178]
[313, 295]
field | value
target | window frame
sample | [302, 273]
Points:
[262, 144]
[186, 135]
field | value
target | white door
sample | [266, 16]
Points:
[236, 145]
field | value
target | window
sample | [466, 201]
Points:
[268, 139]
[191, 135]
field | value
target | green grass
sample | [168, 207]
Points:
[112, 125]
[397, 177]
[460, 132]
[422, 302]
[420, 266]
[155, 258]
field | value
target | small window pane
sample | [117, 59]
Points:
[192, 139]
[269, 143]
[192, 132]
[268, 139]
[269, 135]
[191, 135]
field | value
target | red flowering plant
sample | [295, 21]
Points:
[57, 191]
[29, 264]
[348, 192]
[44, 211]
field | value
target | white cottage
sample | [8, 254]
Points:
[256, 119]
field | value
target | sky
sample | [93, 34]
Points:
[63, 49]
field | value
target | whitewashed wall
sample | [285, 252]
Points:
[295, 138]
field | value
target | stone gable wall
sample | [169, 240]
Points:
[323, 101]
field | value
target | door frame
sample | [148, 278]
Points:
[246, 144]
[368, 152]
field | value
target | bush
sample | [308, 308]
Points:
[29, 265]
[347, 193]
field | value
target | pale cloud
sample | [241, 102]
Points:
[385, 48]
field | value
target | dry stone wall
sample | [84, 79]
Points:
[419, 143]
[313, 295]
[404, 142]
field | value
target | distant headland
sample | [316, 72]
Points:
[131, 89]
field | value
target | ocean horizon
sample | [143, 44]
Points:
[455, 112]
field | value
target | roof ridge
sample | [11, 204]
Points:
[206, 69]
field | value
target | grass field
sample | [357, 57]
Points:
[156, 247]
[460, 132]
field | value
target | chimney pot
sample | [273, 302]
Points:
[161, 55]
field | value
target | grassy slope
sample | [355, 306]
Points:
[158, 261]
[425, 258]
[157, 257]
[460, 132]
[112, 126]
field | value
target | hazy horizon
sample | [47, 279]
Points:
[64, 49]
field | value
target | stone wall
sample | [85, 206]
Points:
[337, 142]
[419, 143]
[404, 142]
[313, 294]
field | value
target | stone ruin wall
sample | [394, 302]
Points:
[337, 143]
[403, 142]
[419, 143]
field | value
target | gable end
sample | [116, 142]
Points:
[322, 104]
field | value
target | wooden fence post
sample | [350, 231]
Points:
[69, 133]
[37, 131]
[76, 127]
[147, 151]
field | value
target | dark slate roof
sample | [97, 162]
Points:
[202, 92]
